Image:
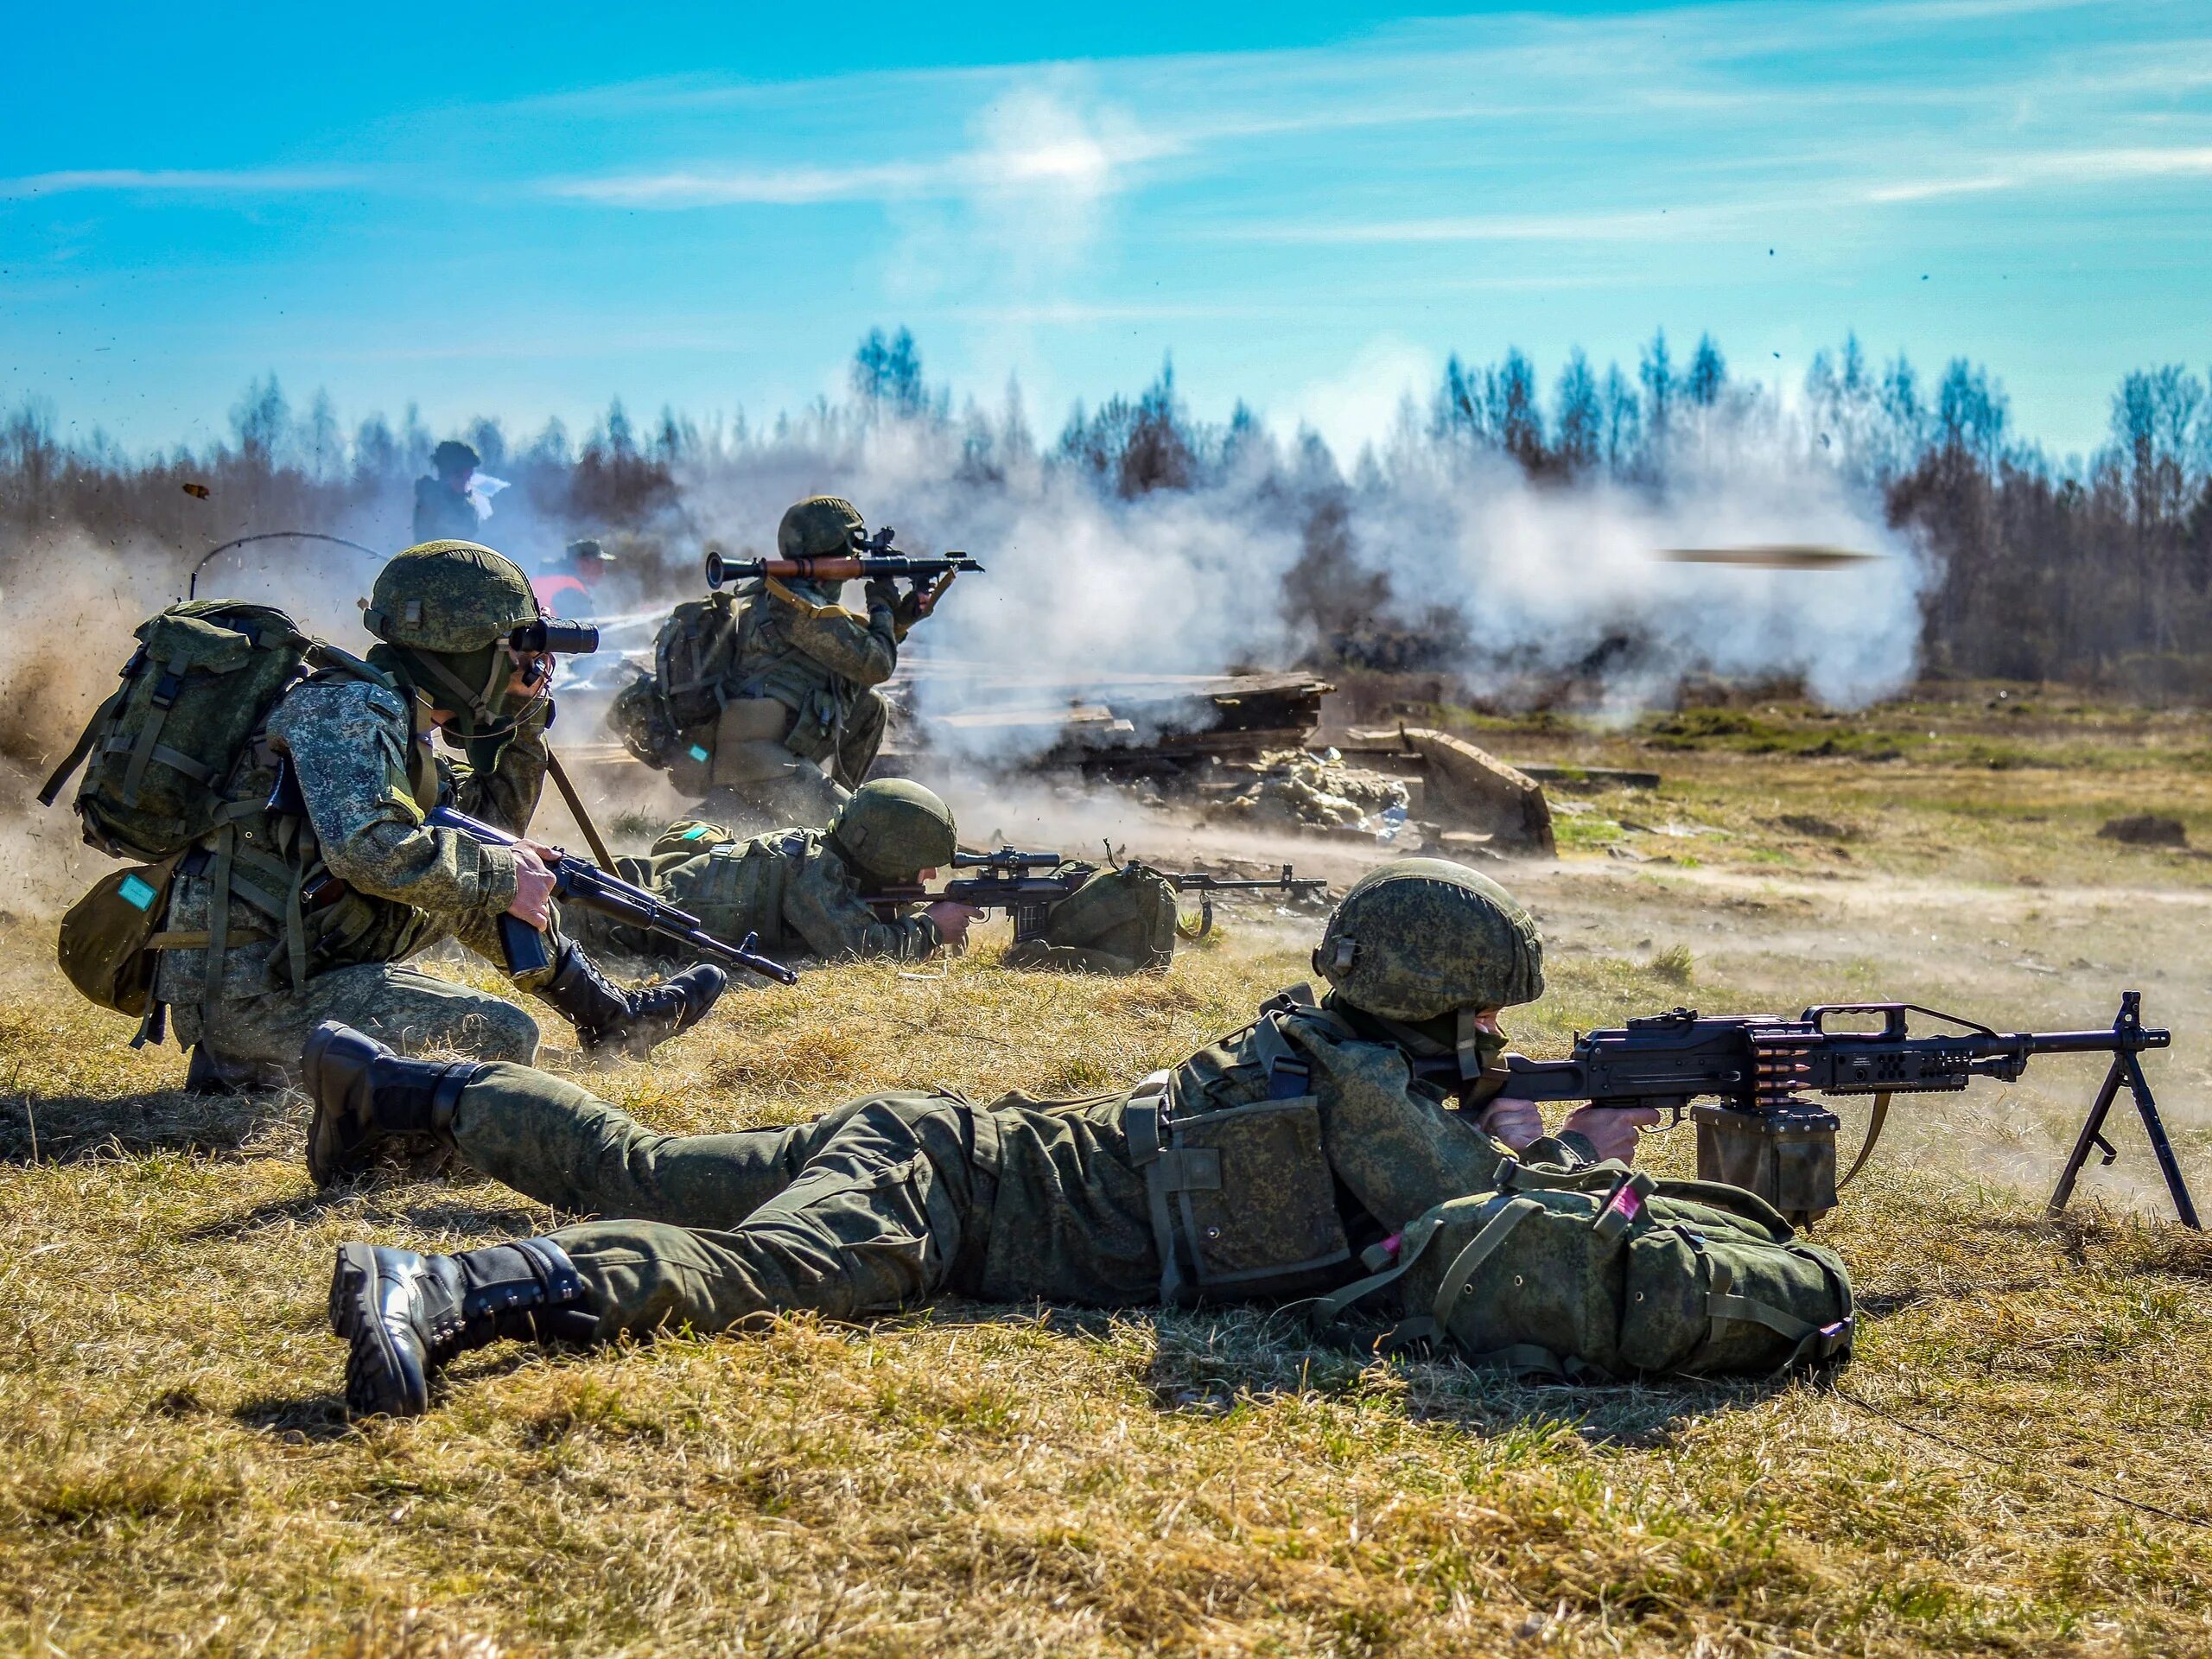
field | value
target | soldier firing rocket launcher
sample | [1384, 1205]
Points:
[1765, 1134]
[871, 559]
[1028, 885]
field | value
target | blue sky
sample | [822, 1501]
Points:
[524, 212]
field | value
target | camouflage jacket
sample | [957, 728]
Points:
[791, 887]
[797, 645]
[370, 880]
[1260, 1167]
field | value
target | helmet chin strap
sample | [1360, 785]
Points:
[478, 703]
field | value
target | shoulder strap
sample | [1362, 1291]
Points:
[85, 739]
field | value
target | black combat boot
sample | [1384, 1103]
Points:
[208, 1073]
[365, 1096]
[632, 1022]
[405, 1315]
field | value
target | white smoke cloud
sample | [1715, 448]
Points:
[1085, 591]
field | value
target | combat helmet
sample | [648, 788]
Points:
[818, 525]
[1421, 937]
[446, 610]
[894, 828]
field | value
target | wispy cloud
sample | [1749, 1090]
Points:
[2078, 166]
[241, 182]
[1071, 155]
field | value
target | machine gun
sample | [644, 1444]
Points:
[1762, 1133]
[1029, 884]
[872, 557]
[578, 882]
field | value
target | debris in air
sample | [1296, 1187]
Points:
[1778, 556]
[199, 491]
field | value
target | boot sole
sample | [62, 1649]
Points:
[378, 1381]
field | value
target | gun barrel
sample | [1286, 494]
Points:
[2110, 1041]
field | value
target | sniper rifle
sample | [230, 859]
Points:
[1028, 885]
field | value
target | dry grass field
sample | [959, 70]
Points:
[176, 1476]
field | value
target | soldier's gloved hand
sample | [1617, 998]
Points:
[1517, 1122]
[883, 595]
[953, 920]
[533, 900]
[1612, 1131]
[913, 605]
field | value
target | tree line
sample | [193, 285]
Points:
[2095, 570]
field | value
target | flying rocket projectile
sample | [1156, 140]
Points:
[1779, 558]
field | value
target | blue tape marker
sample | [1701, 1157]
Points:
[139, 894]
[700, 754]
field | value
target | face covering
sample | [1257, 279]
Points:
[472, 684]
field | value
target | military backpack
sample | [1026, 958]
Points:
[1605, 1274]
[158, 753]
[1119, 921]
[160, 756]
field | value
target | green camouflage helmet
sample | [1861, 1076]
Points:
[818, 525]
[449, 597]
[894, 828]
[1419, 937]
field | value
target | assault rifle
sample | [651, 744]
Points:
[581, 883]
[871, 558]
[1024, 884]
[1762, 1132]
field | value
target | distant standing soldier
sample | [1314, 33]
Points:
[566, 584]
[764, 703]
[443, 511]
[303, 906]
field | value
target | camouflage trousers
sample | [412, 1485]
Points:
[250, 1028]
[884, 1202]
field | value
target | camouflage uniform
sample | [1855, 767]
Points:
[1257, 1168]
[795, 889]
[371, 885]
[1264, 1166]
[775, 696]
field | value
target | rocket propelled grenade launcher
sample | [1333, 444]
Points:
[578, 882]
[1751, 1073]
[872, 557]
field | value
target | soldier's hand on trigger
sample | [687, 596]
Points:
[533, 900]
[953, 920]
[884, 592]
[914, 605]
[1613, 1131]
